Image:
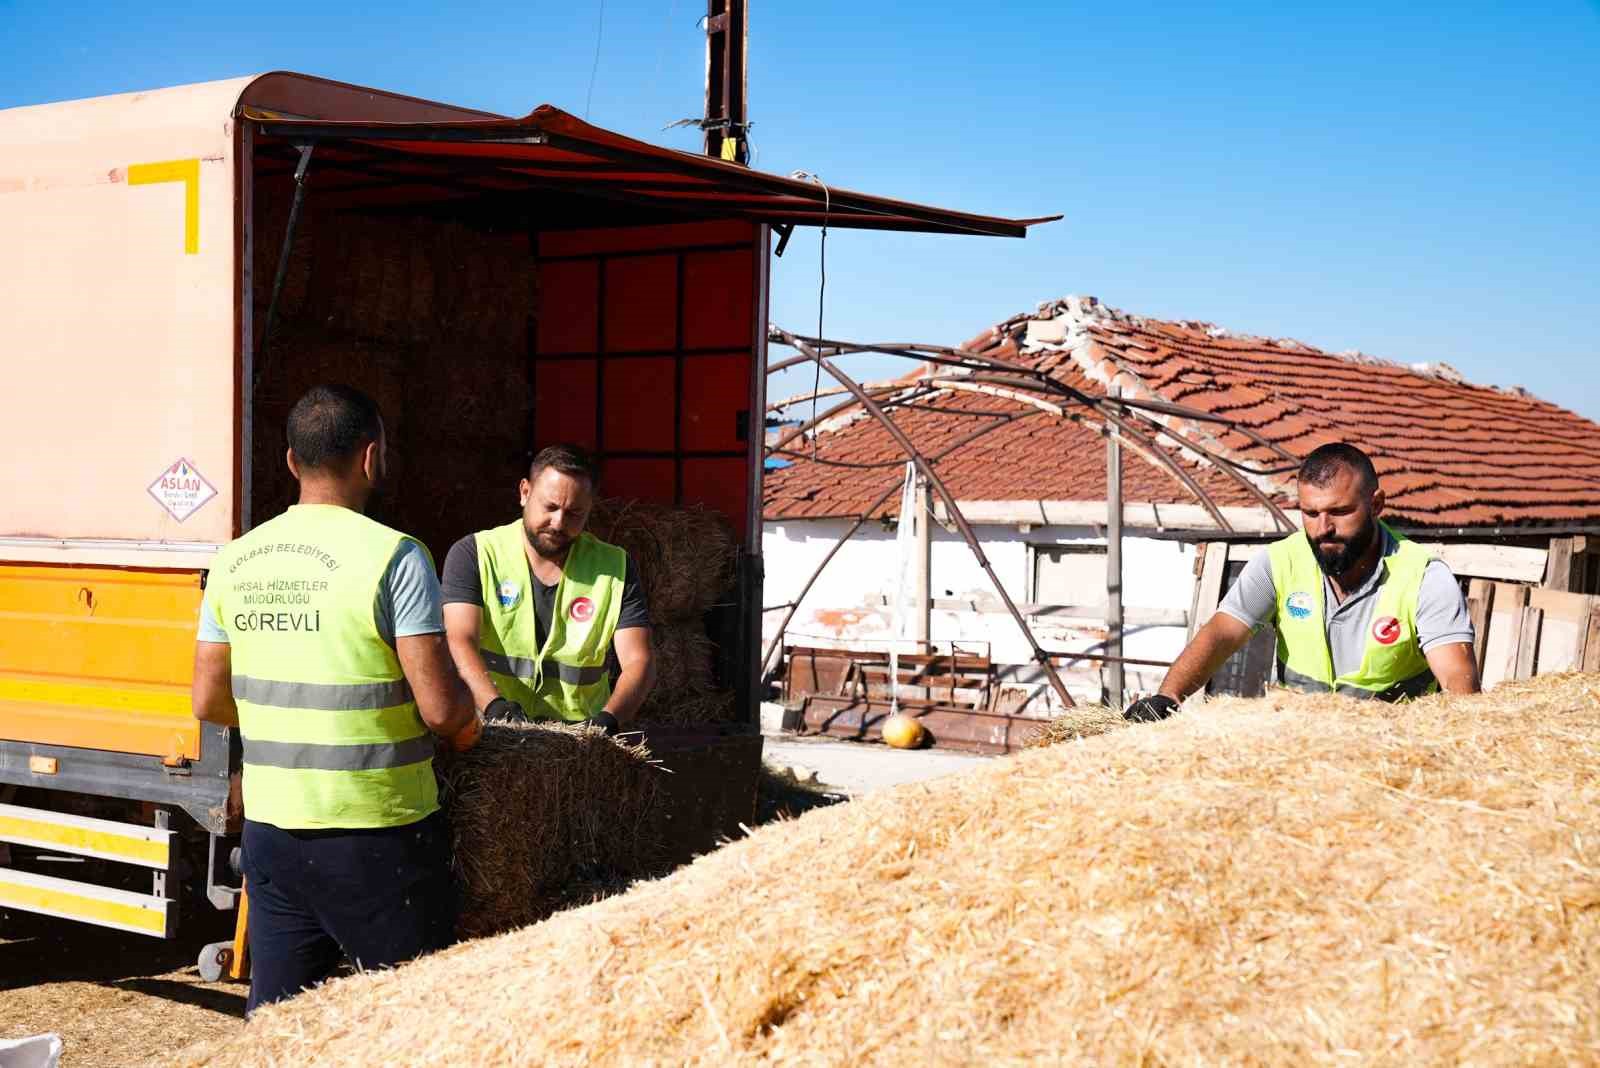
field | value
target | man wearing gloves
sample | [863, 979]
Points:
[1358, 609]
[533, 607]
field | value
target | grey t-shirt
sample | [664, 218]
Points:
[1442, 615]
[408, 602]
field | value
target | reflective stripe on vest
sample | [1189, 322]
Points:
[329, 697]
[1392, 667]
[526, 669]
[367, 757]
[331, 734]
[567, 678]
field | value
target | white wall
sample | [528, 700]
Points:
[844, 608]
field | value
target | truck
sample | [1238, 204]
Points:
[183, 263]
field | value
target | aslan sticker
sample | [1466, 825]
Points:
[1299, 605]
[510, 593]
[582, 610]
[181, 489]
[1386, 630]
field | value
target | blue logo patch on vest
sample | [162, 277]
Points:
[1299, 605]
[510, 594]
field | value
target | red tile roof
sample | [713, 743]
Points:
[1448, 453]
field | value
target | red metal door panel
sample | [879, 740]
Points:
[648, 480]
[638, 404]
[717, 313]
[641, 303]
[569, 304]
[715, 390]
[565, 401]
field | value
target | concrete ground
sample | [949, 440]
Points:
[861, 767]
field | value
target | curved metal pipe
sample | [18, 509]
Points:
[922, 465]
[894, 487]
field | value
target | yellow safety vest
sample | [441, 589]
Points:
[565, 679]
[332, 737]
[1392, 665]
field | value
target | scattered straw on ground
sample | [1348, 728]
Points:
[540, 814]
[117, 1000]
[1287, 881]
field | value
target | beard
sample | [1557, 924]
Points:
[1335, 557]
[550, 544]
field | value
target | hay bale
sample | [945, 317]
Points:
[1286, 881]
[683, 709]
[542, 817]
[686, 556]
[685, 658]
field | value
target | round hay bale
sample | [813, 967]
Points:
[540, 813]
[686, 556]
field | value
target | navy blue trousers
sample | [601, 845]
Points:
[378, 897]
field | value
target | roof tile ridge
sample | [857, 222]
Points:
[1092, 358]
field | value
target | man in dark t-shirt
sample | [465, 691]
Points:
[537, 609]
[461, 584]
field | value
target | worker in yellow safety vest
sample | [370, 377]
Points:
[321, 641]
[1358, 609]
[532, 608]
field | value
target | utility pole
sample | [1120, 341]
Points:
[1114, 678]
[727, 81]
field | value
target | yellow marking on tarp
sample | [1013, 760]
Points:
[186, 171]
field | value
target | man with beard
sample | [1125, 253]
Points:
[532, 608]
[1358, 609]
[321, 640]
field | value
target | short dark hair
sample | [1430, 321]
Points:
[330, 424]
[1326, 461]
[571, 460]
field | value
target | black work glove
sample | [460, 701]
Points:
[1157, 706]
[503, 711]
[605, 721]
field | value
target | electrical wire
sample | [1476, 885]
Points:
[599, 35]
[822, 288]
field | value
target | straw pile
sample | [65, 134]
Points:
[543, 817]
[1284, 881]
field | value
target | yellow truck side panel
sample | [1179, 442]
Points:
[98, 658]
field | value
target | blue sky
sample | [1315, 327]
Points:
[1421, 184]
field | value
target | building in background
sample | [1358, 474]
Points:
[1502, 482]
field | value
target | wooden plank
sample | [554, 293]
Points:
[1210, 588]
[1528, 643]
[1480, 603]
[1571, 607]
[1591, 644]
[1558, 569]
[1511, 563]
[1505, 627]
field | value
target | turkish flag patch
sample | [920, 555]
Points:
[1386, 630]
[582, 611]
